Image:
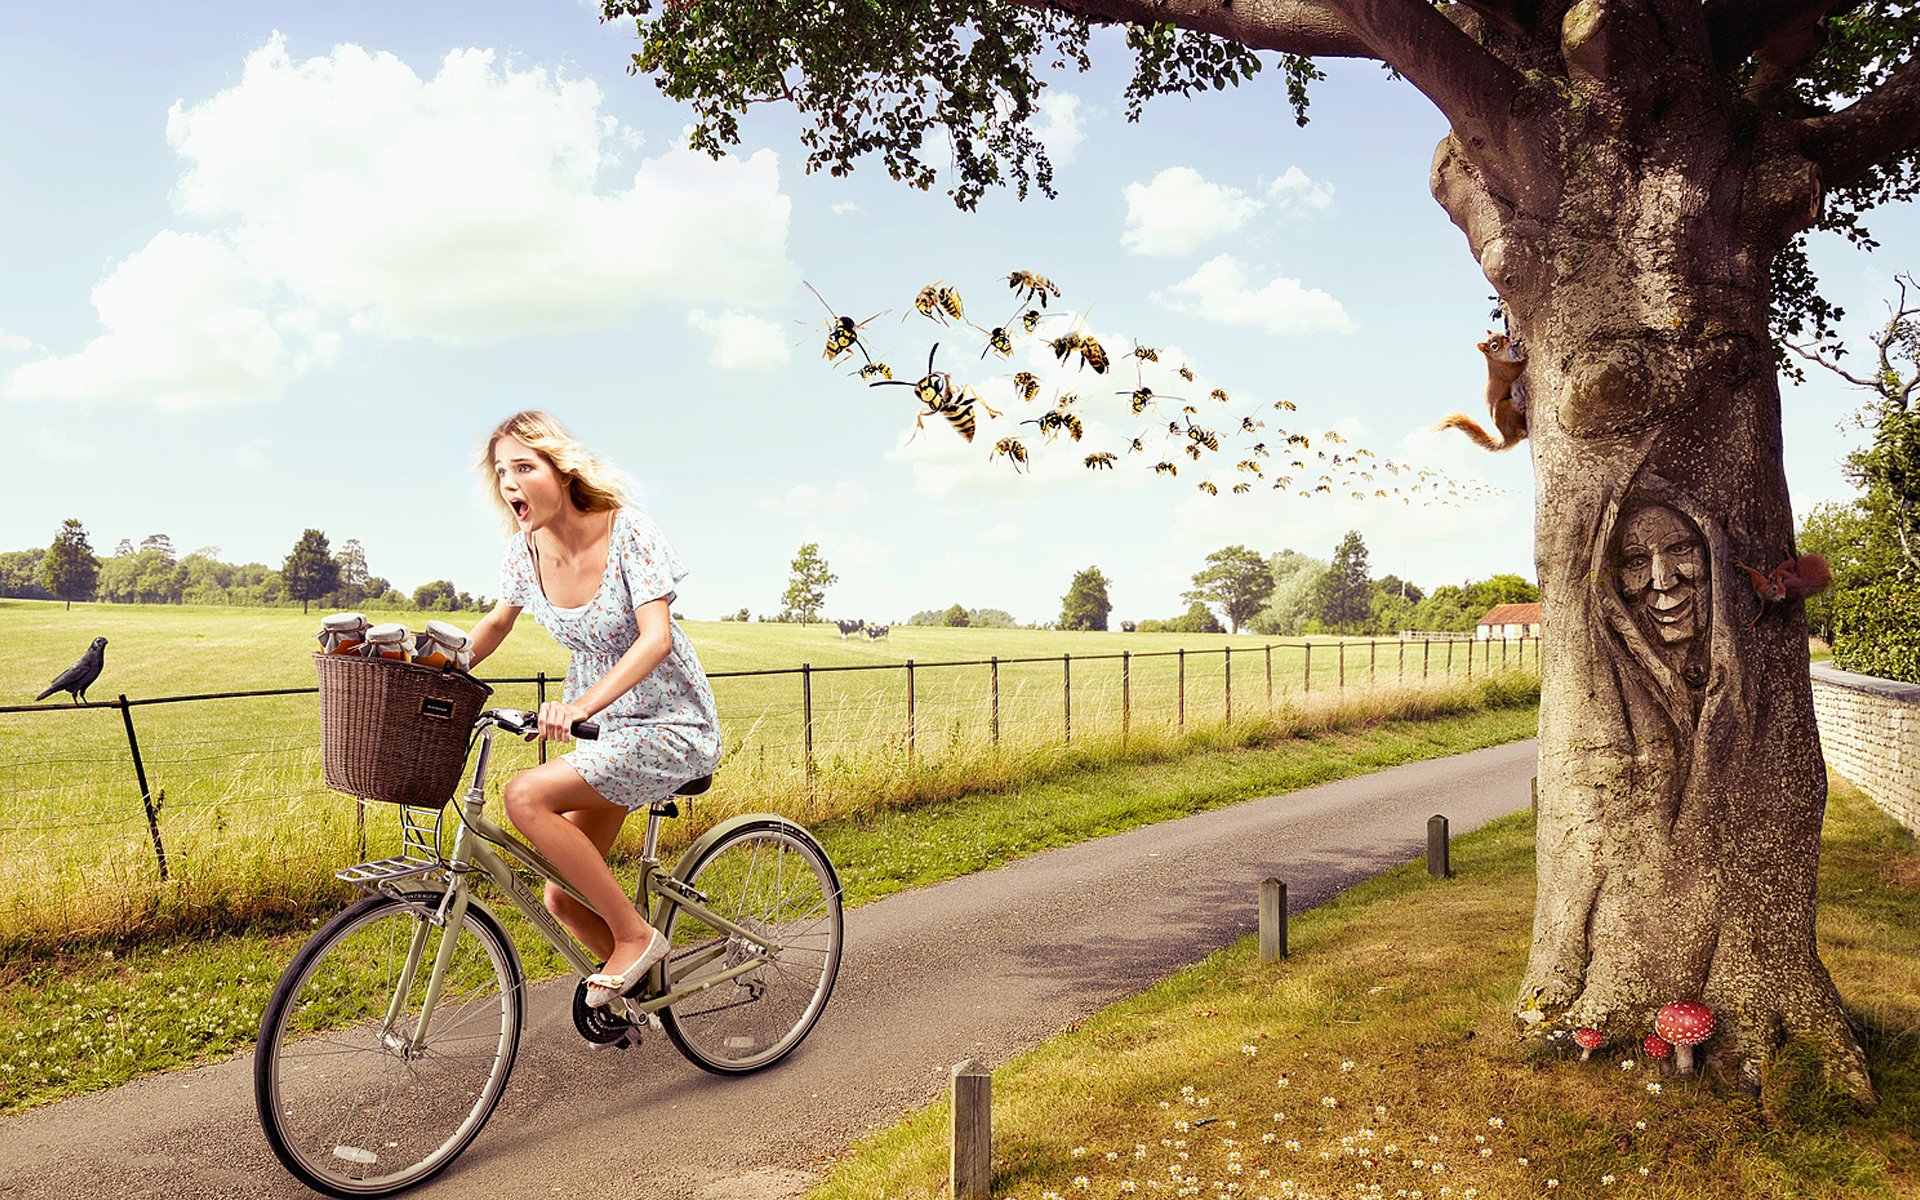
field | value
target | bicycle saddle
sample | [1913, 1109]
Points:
[693, 787]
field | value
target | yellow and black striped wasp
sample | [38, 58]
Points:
[1103, 460]
[1011, 447]
[936, 390]
[1027, 384]
[1092, 353]
[843, 333]
[1208, 488]
[1036, 287]
[1051, 423]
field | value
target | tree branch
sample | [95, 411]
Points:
[1740, 27]
[1288, 26]
[1474, 89]
[1820, 360]
[1884, 122]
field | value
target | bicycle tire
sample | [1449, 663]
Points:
[347, 1108]
[768, 875]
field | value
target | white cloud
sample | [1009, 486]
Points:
[256, 455]
[741, 341]
[1060, 126]
[188, 325]
[54, 446]
[845, 208]
[852, 550]
[807, 501]
[1293, 192]
[1179, 211]
[346, 191]
[1220, 291]
[13, 343]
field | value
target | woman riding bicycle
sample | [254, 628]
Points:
[600, 578]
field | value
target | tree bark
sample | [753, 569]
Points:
[1682, 787]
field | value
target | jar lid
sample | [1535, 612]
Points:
[447, 634]
[394, 632]
[343, 623]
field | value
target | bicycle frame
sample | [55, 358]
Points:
[482, 847]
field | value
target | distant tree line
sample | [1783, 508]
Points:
[152, 573]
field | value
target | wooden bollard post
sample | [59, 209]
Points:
[1438, 864]
[1534, 804]
[1273, 920]
[972, 1171]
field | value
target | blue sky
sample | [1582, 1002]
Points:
[279, 267]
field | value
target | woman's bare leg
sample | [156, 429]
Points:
[574, 827]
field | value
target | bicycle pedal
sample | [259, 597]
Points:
[602, 1027]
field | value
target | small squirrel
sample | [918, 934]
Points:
[1506, 396]
[1796, 578]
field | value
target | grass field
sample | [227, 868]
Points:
[249, 833]
[1380, 1060]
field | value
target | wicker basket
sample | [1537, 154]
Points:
[393, 731]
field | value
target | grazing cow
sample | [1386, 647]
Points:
[876, 632]
[849, 627]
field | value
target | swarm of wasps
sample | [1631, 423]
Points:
[1180, 434]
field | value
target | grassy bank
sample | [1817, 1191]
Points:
[94, 1015]
[1381, 1060]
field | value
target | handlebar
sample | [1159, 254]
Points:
[520, 721]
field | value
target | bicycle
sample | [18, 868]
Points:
[389, 1038]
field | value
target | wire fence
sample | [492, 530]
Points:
[112, 811]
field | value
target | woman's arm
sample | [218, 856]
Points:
[648, 651]
[492, 630]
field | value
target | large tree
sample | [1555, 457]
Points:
[69, 569]
[1345, 594]
[1634, 178]
[309, 572]
[1235, 579]
[807, 587]
[1085, 606]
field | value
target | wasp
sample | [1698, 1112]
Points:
[1091, 352]
[1051, 423]
[1204, 437]
[1260, 448]
[1030, 320]
[1104, 459]
[927, 301]
[1026, 384]
[1011, 447]
[1334, 437]
[1066, 400]
[1136, 446]
[949, 301]
[1146, 354]
[1248, 424]
[1289, 405]
[1165, 468]
[1208, 488]
[1193, 452]
[1141, 397]
[1241, 489]
[1247, 464]
[876, 368]
[1186, 373]
[1037, 287]
[935, 390]
[843, 333]
[1219, 394]
[999, 341]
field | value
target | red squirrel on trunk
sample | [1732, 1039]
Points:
[1506, 397]
[1796, 578]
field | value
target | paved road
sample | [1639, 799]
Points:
[980, 967]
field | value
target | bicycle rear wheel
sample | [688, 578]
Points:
[772, 878]
[349, 1106]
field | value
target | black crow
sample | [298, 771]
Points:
[76, 679]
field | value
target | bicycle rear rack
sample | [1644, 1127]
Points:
[419, 852]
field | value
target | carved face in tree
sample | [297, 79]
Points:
[1663, 567]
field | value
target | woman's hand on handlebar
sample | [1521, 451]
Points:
[556, 719]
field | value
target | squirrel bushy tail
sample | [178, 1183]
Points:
[1471, 428]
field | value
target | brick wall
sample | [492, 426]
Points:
[1870, 733]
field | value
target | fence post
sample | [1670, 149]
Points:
[1426, 655]
[1269, 678]
[910, 714]
[1066, 693]
[1183, 687]
[1503, 653]
[1126, 695]
[993, 665]
[971, 1173]
[146, 796]
[1273, 920]
[1343, 663]
[539, 698]
[1228, 660]
[1306, 674]
[1469, 660]
[1403, 660]
[806, 718]
[1438, 864]
[1450, 659]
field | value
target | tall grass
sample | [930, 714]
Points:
[252, 838]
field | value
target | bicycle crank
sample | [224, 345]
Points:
[602, 1026]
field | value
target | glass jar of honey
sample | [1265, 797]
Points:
[442, 643]
[342, 633]
[391, 642]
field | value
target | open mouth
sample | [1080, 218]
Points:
[520, 509]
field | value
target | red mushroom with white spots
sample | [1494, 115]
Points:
[1685, 1023]
[1658, 1049]
[1588, 1040]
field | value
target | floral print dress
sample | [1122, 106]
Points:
[663, 732]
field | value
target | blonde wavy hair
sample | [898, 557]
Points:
[592, 485]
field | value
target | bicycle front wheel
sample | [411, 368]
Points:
[349, 1102]
[772, 879]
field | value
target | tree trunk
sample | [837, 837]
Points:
[1682, 787]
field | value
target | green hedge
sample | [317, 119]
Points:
[1877, 631]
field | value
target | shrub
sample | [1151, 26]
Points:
[1877, 631]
